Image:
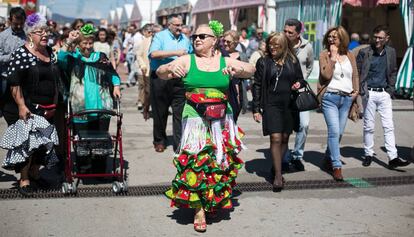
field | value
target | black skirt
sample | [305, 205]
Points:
[277, 119]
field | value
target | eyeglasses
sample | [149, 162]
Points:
[200, 36]
[332, 37]
[275, 46]
[176, 25]
[40, 32]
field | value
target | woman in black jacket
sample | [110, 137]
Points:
[278, 76]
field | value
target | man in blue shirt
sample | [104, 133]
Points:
[377, 66]
[10, 39]
[166, 46]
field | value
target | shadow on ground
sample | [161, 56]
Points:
[262, 167]
[6, 177]
[404, 152]
[185, 216]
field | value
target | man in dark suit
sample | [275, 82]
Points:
[377, 66]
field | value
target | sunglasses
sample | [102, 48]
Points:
[200, 36]
[229, 42]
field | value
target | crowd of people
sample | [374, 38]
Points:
[204, 75]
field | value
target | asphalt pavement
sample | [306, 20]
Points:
[376, 209]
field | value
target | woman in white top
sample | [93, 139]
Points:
[339, 83]
[101, 42]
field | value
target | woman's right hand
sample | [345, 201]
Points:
[333, 52]
[73, 35]
[117, 92]
[257, 117]
[24, 113]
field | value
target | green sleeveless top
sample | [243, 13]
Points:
[201, 79]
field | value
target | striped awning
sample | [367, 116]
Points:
[405, 77]
[369, 3]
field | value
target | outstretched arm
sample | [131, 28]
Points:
[175, 69]
[238, 68]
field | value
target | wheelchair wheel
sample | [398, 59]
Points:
[116, 187]
[65, 188]
[74, 187]
[125, 186]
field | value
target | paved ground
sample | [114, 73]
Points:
[375, 211]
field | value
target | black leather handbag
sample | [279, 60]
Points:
[306, 100]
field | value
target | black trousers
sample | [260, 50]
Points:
[166, 93]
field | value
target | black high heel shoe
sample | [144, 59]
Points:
[278, 186]
[26, 190]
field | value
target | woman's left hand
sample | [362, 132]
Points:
[296, 86]
[117, 92]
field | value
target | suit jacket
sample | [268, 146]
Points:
[327, 67]
[364, 62]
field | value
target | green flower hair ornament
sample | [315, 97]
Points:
[87, 30]
[216, 27]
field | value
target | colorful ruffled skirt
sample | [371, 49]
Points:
[207, 163]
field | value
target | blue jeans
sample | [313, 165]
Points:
[301, 135]
[335, 109]
[300, 139]
[129, 58]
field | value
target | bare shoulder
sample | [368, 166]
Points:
[184, 60]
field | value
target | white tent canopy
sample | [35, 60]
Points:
[136, 16]
[111, 16]
[126, 14]
[118, 15]
[148, 9]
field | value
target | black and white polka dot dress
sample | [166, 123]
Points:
[37, 80]
[21, 140]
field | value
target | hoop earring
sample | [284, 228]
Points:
[31, 45]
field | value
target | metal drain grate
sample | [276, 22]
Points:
[156, 190]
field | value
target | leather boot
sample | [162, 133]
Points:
[337, 174]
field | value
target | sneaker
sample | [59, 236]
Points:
[397, 162]
[367, 161]
[298, 165]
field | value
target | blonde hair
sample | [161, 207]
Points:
[284, 43]
[233, 34]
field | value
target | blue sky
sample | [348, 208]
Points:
[84, 8]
